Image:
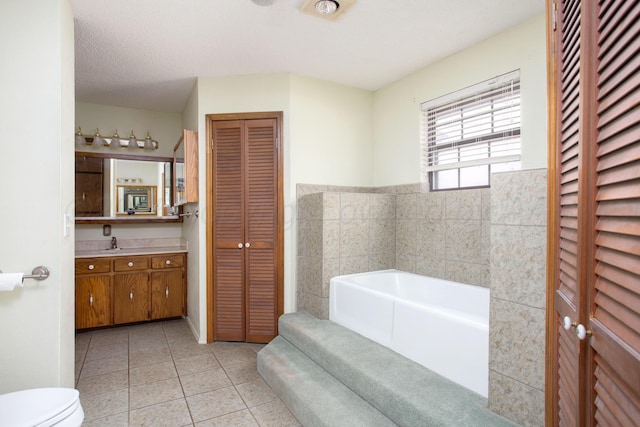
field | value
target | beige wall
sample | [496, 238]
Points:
[396, 150]
[36, 155]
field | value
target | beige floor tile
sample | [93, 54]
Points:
[118, 420]
[214, 404]
[173, 413]
[229, 354]
[151, 373]
[153, 393]
[101, 405]
[107, 337]
[243, 372]
[235, 419]
[182, 351]
[256, 393]
[274, 414]
[145, 358]
[197, 363]
[200, 382]
[99, 384]
[104, 366]
[107, 351]
[139, 375]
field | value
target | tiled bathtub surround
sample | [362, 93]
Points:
[517, 318]
[440, 234]
[341, 233]
[487, 237]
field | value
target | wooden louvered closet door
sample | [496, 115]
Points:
[594, 226]
[246, 229]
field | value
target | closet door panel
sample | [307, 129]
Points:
[228, 235]
[615, 319]
[229, 295]
[569, 401]
[597, 284]
[261, 223]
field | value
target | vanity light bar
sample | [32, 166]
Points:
[115, 142]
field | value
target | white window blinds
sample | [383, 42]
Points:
[479, 125]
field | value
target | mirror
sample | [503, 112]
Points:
[112, 188]
[134, 200]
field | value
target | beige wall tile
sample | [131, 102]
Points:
[354, 206]
[354, 238]
[516, 401]
[463, 204]
[519, 198]
[518, 260]
[517, 342]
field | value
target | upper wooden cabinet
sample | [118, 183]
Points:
[89, 186]
[185, 168]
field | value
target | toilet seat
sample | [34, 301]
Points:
[41, 407]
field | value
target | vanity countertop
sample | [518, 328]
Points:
[101, 248]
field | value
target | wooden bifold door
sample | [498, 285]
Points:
[246, 226]
[594, 222]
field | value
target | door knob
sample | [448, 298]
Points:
[567, 323]
[239, 245]
[582, 332]
[246, 245]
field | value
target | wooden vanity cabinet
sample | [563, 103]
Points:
[167, 286]
[128, 289]
[93, 293]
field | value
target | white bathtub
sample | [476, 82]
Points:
[439, 324]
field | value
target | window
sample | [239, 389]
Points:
[471, 133]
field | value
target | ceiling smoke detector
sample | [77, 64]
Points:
[327, 9]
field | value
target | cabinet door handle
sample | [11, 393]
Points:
[168, 262]
[83, 196]
[166, 292]
[246, 245]
[131, 295]
[91, 267]
[130, 264]
[90, 300]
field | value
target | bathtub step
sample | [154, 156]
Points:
[404, 391]
[313, 395]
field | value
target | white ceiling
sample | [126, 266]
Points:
[147, 53]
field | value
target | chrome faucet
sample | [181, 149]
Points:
[114, 243]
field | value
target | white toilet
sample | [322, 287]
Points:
[41, 407]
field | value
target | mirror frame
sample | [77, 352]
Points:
[142, 219]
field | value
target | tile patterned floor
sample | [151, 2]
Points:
[156, 374]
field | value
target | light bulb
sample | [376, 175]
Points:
[80, 141]
[115, 141]
[327, 7]
[148, 143]
[133, 142]
[98, 141]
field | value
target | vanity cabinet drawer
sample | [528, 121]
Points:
[131, 263]
[167, 261]
[93, 265]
